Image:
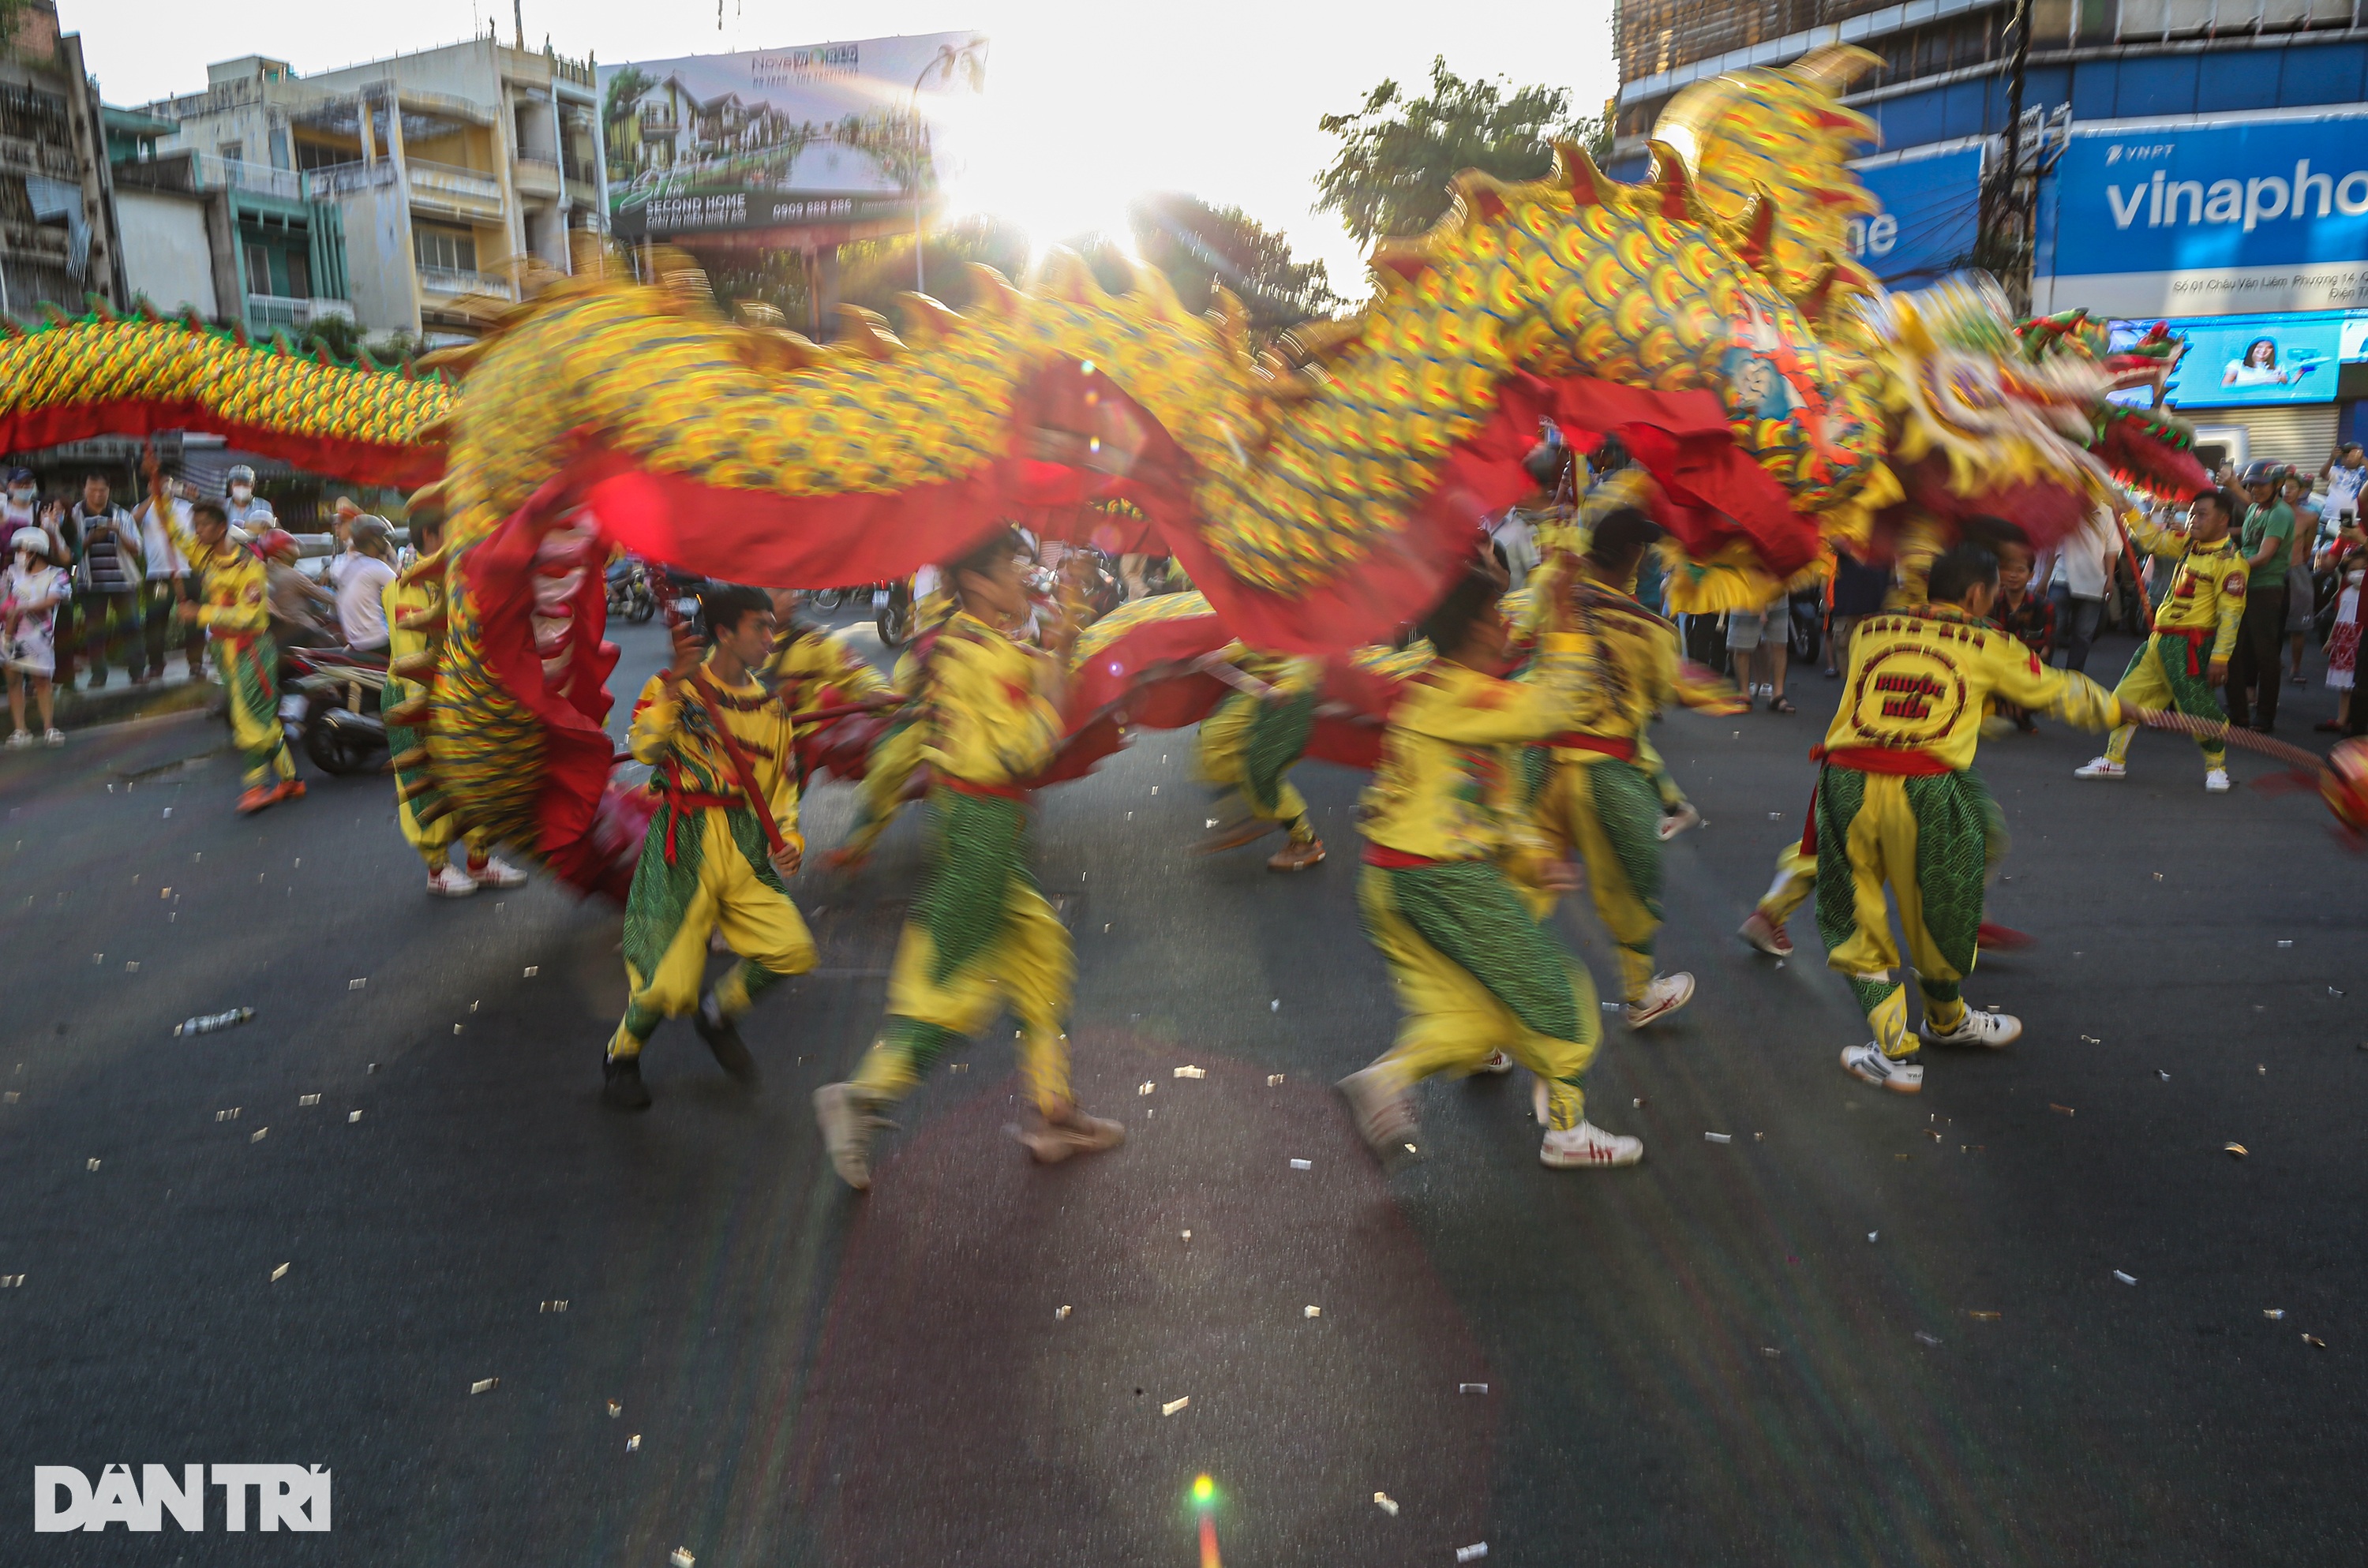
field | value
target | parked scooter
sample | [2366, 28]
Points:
[630, 595]
[891, 612]
[331, 705]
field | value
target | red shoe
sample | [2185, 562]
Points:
[2001, 938]
[256, 798]
[292, 789]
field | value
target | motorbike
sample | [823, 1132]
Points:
[891, 612]
[1807, 624]
[1098, 580]
[682, 590]
[631, 596]
[331, 706]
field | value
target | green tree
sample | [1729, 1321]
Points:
[873, 272]
[1397, 153]
[1199, 246]
[336, 335]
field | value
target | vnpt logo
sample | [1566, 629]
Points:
[287, 1496]
[2169, 203]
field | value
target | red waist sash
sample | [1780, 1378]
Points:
[1878, 759]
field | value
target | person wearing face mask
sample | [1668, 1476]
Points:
[167, 572]
[243, 506]
[109, 576]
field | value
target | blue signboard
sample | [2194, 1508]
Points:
[2209, 219]
[1928, 218]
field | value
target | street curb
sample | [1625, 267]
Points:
[89, 711]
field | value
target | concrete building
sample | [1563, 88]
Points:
[58, 242]
[414, 189]
[2203, 162]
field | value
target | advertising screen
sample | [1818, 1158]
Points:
[830, 134]
[2248, 360]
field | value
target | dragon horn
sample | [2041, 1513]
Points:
[1759, 225]
[1576, 170]
[991, 290]
[1675, 180]
[1064, 275]
[1832, 67]
[926, 320]
[866, 333]
[1150, 289]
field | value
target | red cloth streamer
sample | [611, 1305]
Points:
[357, 462]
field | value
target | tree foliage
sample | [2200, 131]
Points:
[1397, 152]
[626, 85]
[1199, 246]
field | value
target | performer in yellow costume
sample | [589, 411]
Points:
[1602, 797]
[2205, 610]
[721, 751]
[809, 668]
[981, 934]
[234, 608]
[1250, 744]
[413, 600]
[1898, 805]
[897, 754]
[1456, 880]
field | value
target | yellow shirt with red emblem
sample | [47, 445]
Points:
[989, 723]
[1920, 680]
[675, 734]
[2207, 591]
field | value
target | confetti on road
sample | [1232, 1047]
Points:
[1191, 1072]
[682, 1557]
[1472, 1388]
[1144, 1088]
[484, 1385]
[2062, 1110]
[1479, 1548]
[2125, 1278]
[1311, 1311]
[353, 1116]
[92, 1165]
[1062, 1316]
[2275, 1314]
[230, 1115]
[1274, 1080]
[279, 1271]
[1985, 1317]
[1173, 1405]
[1718, 1138]
[2090, 1039]
[615, 1410]
[533, 969]
[1383, 1501]
[1303, 1164]
[1275, 1005]
[2314, 1341]
[2235, 1151]
[2161, 1075]
[633, 1443]
[2285, 944]
[356, 984]
[1872, 1234]
[552, 1307]
[1924, 1338]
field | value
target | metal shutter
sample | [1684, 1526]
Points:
[2301, 435]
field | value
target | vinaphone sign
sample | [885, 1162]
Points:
[2207, 219]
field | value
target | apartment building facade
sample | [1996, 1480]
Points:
[58, 240]
[415, 192]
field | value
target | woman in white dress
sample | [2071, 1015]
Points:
[30, 592]
[2343, 642]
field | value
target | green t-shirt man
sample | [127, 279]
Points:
[2276, 520]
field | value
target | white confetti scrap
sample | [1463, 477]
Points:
[1383, 1501]
[279, 1271]
[1472, 1388]
[484, 1385]
[1191, 1072]
[2125, 1279]
[356, 984]
[1274, 1080]
[1173, 1405]
[308, 1099]
[1303, 1164]
[1311, 1311]
[682, 1557]
[1062, 1314]
[353, 1116]
[1718, 1137]
[1479, 1548]
[533, 969]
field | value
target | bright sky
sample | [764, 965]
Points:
[1091, 104]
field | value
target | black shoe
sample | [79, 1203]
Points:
[2262, 727]
[624, 1089]
[723, 1038]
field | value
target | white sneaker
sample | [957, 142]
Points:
[2216, 781]
[1766, 935]
[497, 873]
[449, 881]
[1665, 995]
[19, 739]
[1497, 1062]
[1677, 822]
[2100, 768]
[1867, 1062]
[1976, 1028]
[1588, 1146]
[53, 736]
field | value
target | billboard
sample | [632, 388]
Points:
[2246, 361]
[2229, 218]
[1928, 218]
[827, 136]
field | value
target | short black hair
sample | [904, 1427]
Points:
[1619, 534]
[1991, 532]
[728, 604]
[2230, 506]
[1450, 620]
[1960, 569]
[985, 555]
[209, 507]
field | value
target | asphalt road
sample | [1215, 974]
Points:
[1867, 1329]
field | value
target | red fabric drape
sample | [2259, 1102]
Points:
[353, 461]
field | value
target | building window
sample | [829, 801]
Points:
[279, 159]
[452, 248]
[258, 270]
[300, 274]
[231, 152]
